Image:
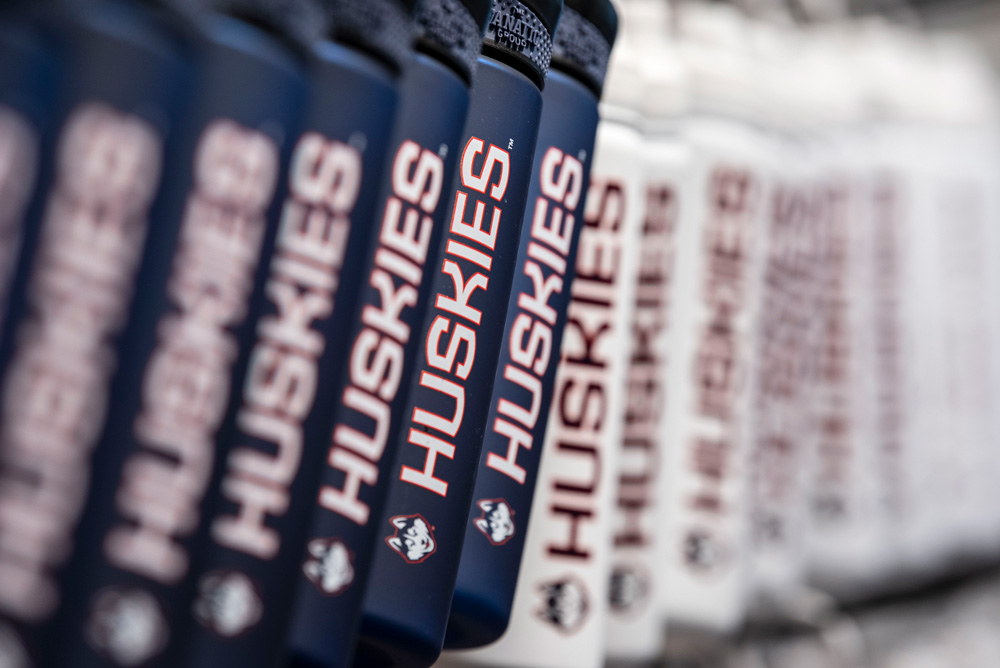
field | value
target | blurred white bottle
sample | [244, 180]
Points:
[775, 429]
[859, 499]
[961, 218]
[635, 623]
[919, 445]
[717, 273]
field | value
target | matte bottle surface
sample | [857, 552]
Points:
[405, 235]
[519, 409]
[324, 225]
[222, 184]
[416, 558]
[635, 627]
[123, 82]
[28, 82]
[560, 603]
[705, 579]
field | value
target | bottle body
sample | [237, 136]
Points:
[27, 88]
[276, 430]
[845, 523]
[805, 207]
[156, 456]
[522, 390]
[98, 177]
[717, 282]
[560, 603]
[635, 629]
[395, 273]
[425, 515]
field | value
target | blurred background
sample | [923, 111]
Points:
[978, 20]
[941, 617]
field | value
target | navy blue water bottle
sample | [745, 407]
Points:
[257, 513]
[423, 524]
[28, 79]
[398, 267]
[536, 317]
[208, 242]
[69, 301]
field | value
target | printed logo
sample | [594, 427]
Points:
[127, 626]
[828, 506]
[704, 552]
[629, 588]
[564, 604]
[12, 652]
[768, 527]
[330, 565]
[414, 538]
[497, 520]
[228, 603]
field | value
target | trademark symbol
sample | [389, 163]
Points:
[510, 144]
[443, 150]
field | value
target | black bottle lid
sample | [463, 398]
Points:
[583, 41]
[383, 28]
[452, 30]
[548, 11]
[520, 33]
[296, 21]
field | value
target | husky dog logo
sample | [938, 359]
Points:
[228, 603]
[127, 626]
[768, 528]
[497, 520]
[12, 652]
[828, 507]
[703, 552]
[329, 566]
[564, 604]
[629, 588]
[414, 538]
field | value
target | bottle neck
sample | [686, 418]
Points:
[516, 37]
